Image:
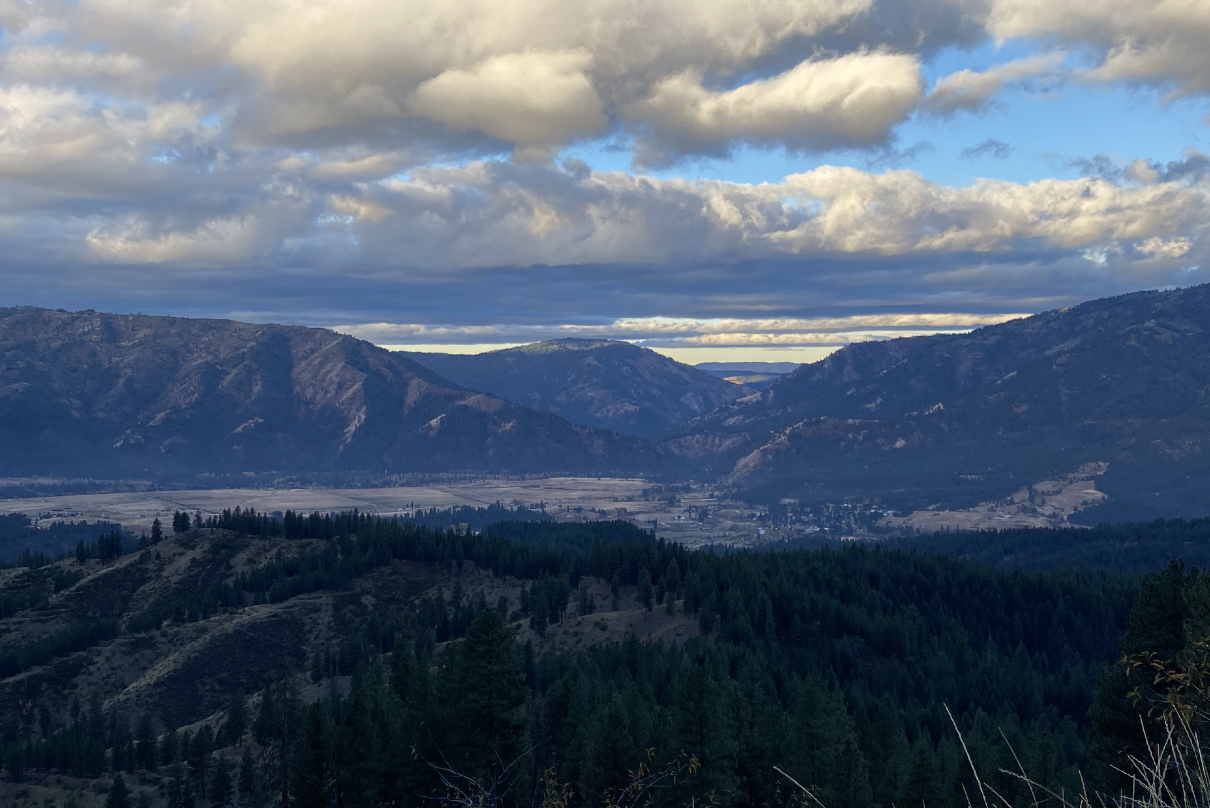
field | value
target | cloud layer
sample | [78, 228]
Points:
[300, 146]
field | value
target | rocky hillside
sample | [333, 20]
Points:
[952, 420]
[598, 383]
[109, 395]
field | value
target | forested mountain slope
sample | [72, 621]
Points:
[599, 383]
[953, 420]
[342, 632]
[109, 395]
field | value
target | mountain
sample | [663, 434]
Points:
[106, 395]
[598, 383]
[753, 375]
[954, 420]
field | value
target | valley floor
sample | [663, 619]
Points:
[567, 499]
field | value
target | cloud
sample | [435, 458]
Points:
[991, 147]
[1193, 167]
[536, 101]
[972, 91]
[852, 100]
[667, 332]
[527, 74]
[1158, 42]
[351, 162]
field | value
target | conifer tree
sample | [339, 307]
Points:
[119, 794]
[401, 668]
[490, 692]
[157, 531]
[646, 593]
[237, 718]
[220, 782]
[145, 746]
[537, 620]
[921, 789]
[199, 757]
[247, 780]
[672, 578]
[168, 748]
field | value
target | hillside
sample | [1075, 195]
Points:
[370, 651]
[597, 383]
[112, 395]
[954, 420]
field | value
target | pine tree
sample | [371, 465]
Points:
[220, 782]
[921, 789]
[247, 780]
[145, 747]
[672, 578]
[401, 668]
[646, 593]
[537, 620]
[179, 795]
[199, 757]
[489, 693]
[81, 552]
[237, 718]
[119, 794]
[157, 531]
[168, 748]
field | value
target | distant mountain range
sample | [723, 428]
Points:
[753, 375]
[111, 395]
[953, 420]
[599, 383]
[946, 421]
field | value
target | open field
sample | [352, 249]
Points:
[567, 499]
[1050, 503]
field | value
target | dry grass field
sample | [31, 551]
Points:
[1050, 504]
[567, 499]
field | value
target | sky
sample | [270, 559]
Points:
[719, 180]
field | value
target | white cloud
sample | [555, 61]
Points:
[683, 332]
[489, 214]
[1147, 41]
[852, 100]
[972, 91]
[64, 139]
[370, 138]
[532, 73]
[536, 101]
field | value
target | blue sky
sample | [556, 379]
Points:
[713, 179]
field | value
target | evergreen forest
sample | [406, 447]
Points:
[871, 676]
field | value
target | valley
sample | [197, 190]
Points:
[694, 517]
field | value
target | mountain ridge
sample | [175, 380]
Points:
[599, 383]
[960, 418]
[94, 392]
